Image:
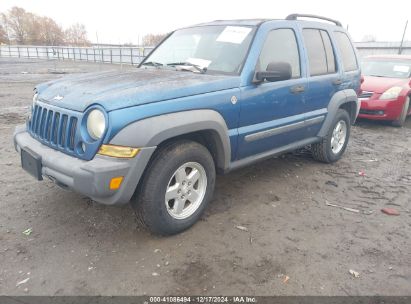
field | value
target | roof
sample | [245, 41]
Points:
[256, 22]
[244, 22]
[390, 56]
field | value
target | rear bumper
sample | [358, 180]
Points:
[90, 178]
[381, 109]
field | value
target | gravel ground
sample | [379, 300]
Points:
[295, 243]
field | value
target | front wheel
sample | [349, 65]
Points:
[177, 187]
[333, 145]
[401, 120]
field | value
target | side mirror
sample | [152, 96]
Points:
[276, 71]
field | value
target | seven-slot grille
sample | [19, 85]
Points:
[54, 127]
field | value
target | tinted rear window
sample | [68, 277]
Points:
[320, 52]
[347, 51]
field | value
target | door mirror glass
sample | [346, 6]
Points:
[276, 71]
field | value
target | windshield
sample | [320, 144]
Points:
[208, 48]
[387, 68]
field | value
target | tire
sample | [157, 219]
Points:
[329, 151]
[174, 169]
[401, 120]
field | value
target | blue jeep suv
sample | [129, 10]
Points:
[208, 99]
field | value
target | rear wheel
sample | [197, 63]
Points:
[333, 145]
[401, 120]
[177, 187]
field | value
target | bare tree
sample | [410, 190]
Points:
[153, 39]
[22, 27]
[3, 35]
[16, 21]
[369, 38]
[50, 32]
[77, 35]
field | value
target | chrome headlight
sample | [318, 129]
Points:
[30, 109]
[391, 93]
[35, 97]
[96, 124]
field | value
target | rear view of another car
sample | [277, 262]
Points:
[386, 89]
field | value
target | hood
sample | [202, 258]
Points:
[119, 89]
[381, 84]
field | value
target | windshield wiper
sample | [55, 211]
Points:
[153, 63]
[200, 69]
[377, 76]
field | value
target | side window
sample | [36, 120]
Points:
[320, 52]
[329, 52]
[281, 46]
[347, 51]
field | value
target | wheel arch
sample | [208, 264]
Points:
[204, 126]
[344, 99]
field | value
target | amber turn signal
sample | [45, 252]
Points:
[118, 151]
[115, 182]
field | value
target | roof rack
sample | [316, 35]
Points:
[295, 16]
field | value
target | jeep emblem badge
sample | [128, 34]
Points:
[58, 97]
[233, 99]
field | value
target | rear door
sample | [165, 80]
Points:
[324, 77]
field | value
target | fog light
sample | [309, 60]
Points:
[115, 182]
[118, 151]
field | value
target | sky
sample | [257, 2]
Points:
[126, 21]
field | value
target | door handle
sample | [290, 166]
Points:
[297, 89]
[337, 82]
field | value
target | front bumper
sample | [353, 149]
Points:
[90, 178]
[377, 109]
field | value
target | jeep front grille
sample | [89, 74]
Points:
[53, 127]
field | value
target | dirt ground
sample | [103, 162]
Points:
[81, 247]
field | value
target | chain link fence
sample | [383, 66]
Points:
[116, 55]
[134, 55]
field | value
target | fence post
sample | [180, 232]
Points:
[74, 54]
[28, 53]
[18, 51]
[37, 52]
[131, 56]
[47, 51]
[111, 56]
[121, 56]
[86, 54]
[94, 53]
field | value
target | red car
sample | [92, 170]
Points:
[386, 89]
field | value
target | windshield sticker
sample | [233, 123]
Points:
[234, 34]
[203, 63]
[401, 68]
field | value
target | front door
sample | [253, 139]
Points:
[272, 113]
